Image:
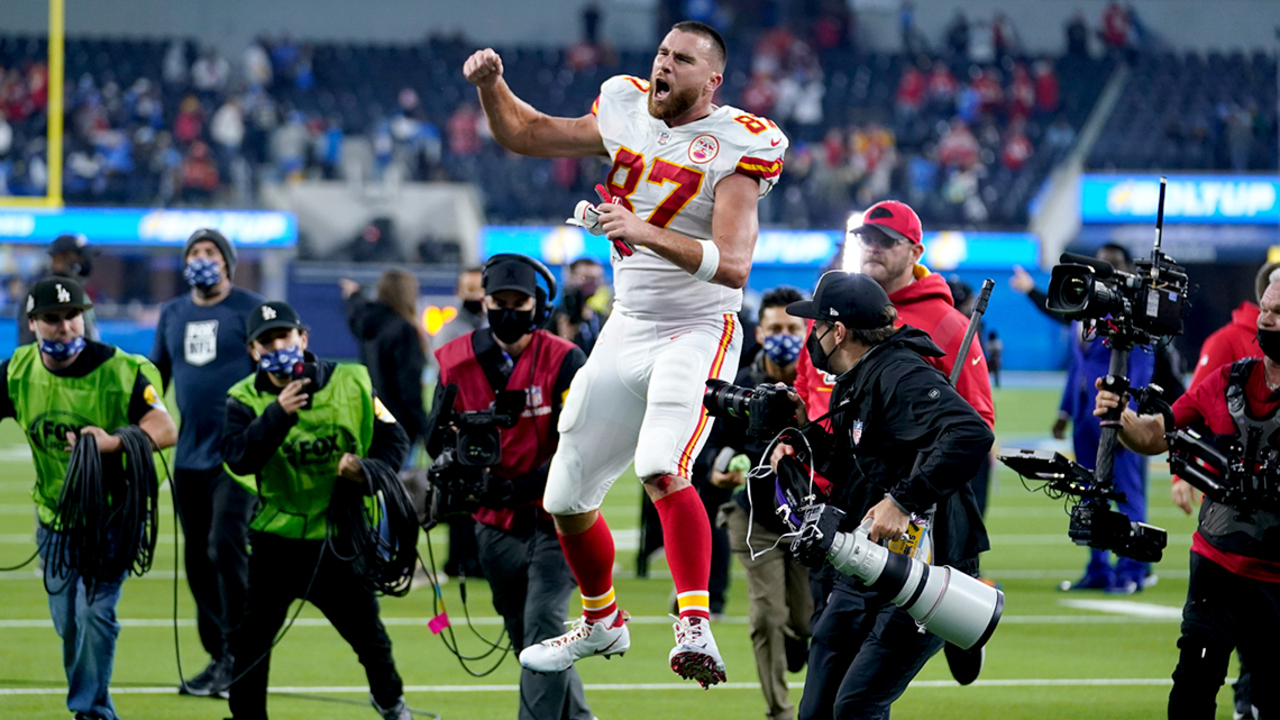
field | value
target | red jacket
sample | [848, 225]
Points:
[1231, 342]
[528, 445]
[925, 304]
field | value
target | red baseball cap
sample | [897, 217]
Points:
[894, 218]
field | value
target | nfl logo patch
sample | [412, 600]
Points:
[533, 396]
[664, 137]
[856, 433]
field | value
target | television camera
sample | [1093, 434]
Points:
[464, 445]
[1126, 310]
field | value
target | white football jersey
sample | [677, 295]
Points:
[668, 177]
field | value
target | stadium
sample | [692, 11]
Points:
[333, 145]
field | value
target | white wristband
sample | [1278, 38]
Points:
[710, 261]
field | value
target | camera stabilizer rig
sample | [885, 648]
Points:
[1126, 310]
[1246, 476]
[464, 444]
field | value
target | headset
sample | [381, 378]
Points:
[543, 298]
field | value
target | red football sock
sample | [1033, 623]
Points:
[686, 533]
[590, 555]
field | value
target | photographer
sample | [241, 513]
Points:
[297, 427]
[581, 313]
[520, 554]
[777, 584]
[902, 440]
[1233, 596]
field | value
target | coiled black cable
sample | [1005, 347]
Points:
[383, 562]
[107, 525]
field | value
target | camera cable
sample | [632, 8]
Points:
[447, 635]
[380, 543]
[107, 526]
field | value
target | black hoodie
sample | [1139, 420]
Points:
[392, 350]
[899, 428]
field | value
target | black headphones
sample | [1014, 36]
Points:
[543, 298]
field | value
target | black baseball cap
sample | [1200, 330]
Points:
[269, 316]
[56, 293]
[69, 243]
[851, 298]
[510, 275]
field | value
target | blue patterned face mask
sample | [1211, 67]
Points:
[202, 274]
[783, 348]
[281, 363]
[59, 351]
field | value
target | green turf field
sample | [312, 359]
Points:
[1048, 659]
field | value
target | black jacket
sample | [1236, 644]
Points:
[899, 428]
[392, 350]
[249, 440]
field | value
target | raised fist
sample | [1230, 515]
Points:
[483, 68]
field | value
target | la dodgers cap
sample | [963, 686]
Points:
[269, 316]
[851, 298]
[56, 293]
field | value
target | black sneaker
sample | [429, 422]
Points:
[399, 711]
[965, 665]
[797, 653]
[212, 681]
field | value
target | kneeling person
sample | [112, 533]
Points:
[296, 436]
[520, 553]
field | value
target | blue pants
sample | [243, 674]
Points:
[1130, 476]
[84, 614]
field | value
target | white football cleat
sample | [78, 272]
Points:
[584, 639]
[695, 656]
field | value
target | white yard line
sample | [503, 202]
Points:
[1128, 608]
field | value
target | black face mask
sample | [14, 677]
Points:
[1269, 341]
[473, 306]
[510, 325]
[820, 358]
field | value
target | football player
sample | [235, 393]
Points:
[680, 209]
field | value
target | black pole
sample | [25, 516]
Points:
[1109, 440]
[979, 308]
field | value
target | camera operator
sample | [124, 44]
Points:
[1233, 596]
[520, 553]
[902, 440]
[777, 584]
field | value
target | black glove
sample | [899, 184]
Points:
[821, 523]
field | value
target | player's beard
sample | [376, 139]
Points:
[676, 103]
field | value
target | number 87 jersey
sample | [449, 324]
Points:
[668, 176]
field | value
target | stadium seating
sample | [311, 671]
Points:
[1198, 103]
[1178, 113]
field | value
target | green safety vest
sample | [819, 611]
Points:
[47, 406]
[295, 485]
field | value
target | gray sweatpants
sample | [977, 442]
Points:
[531, 584]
